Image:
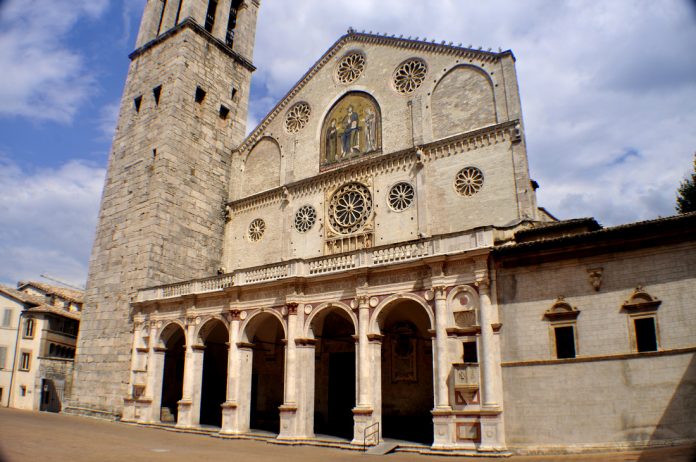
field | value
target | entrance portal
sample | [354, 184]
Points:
[214, 386]
[267, 373]
[334, 390]
[407, 373]
[173, 376]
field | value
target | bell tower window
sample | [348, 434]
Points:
[232, 22]
[210, 15]
[161, 19]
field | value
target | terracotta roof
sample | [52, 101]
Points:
[72, 295]
[21, 296]
[54, 310]
[677, 226]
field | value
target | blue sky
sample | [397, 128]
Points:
[608, 91]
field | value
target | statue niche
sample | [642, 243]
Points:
[352, 129]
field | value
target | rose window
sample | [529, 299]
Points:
[305, 218]
[297, 117]
[350, 207]
[256, 229]
[468, 181]
[350, 67]
[401, 196]
[409, 76]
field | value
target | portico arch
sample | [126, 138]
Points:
[334, 327]
[213, 335]
[172, 339]
[406, 322]
[262, 352]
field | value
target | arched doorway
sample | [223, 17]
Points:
[214, 336]
[407, 372]
[173, 339]
[266, 334]
[334, 389]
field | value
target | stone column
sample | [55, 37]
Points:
[288, 410]
[443, 363]
[153, 384]
[129, 413]
[363, 412]
[488, 398]
[222, 16]
[185, 414]
[230, 420]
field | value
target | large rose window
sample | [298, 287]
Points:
[349, 208]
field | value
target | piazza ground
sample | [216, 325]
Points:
[33, 436]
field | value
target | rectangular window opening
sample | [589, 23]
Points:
[470, 352]
[646, 335]
[164, 7]
[7, 318]
[224, 112]
[232, 22]
[178, 13]
[565, 342]
[23, 390]
[210, 15]
[200, 95]
[25, 361]
[156, 92]
[3, 357]
[29, 328]
[234, 92]
[136, 103]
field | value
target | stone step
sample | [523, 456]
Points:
[383, 448]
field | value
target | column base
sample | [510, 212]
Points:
[229, 418]
[185, 414]
[363, 419]
[288, 422]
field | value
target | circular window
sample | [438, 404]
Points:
[256, 229]
[305, 218]
[297, 117]
[409, 76]
[401, 196]
[350, 67]
[350, 208]
[468, 181]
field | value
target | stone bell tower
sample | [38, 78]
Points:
[184, 109]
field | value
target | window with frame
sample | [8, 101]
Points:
[7, 317]
[645, 330]
[565, 341]
[470, 352]
[29, 328]
[3, 356]
[25, 361]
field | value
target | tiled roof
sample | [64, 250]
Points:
[72, 295]
[55, 310]
[21, 296]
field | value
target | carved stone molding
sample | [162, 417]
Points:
[561, 311]
[292, 307]
[595, 275]
[641, 301]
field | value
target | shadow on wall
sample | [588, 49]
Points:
[679, 419]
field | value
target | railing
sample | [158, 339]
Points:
[369, 432]
[365, 258]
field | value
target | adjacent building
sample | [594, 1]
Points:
[37, 344]
[369, 262]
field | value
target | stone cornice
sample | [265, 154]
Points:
[399, 160]
[194, 26]
[374, 39]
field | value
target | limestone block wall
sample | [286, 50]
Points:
[162, 212]
[609, 395]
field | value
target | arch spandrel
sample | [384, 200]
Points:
[351, 129]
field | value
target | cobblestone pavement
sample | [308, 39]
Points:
[33, 436]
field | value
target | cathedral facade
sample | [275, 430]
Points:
[367, 263]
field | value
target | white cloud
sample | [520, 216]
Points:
[597, 79]
[108, 117]
[47, 220]
[42, 78]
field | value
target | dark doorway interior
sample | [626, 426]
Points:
[267, 376]
[50, 398]
[407, 374]
[173, 376]
[214, 385]
[334, 397]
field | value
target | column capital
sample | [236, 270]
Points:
[439, 291]
[292, 307]
[190, 320]
[234, 315]
[483, 284]
[363, 301]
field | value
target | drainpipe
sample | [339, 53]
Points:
[14, 358]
